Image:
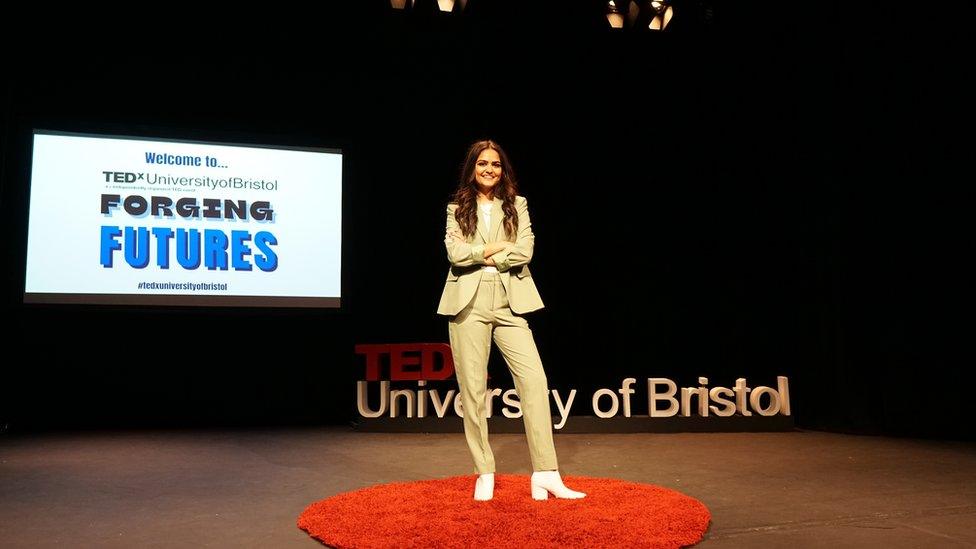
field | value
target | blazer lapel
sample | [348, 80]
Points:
[482, 230]
[490, 234]
[496, 219]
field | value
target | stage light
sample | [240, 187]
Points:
[446, 5]
[633, 12]
[662, 14]
[614, 16]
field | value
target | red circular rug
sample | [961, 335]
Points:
[443, 513]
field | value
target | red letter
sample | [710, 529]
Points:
[372, 352]
[428, 350]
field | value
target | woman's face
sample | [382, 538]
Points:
[488, 168]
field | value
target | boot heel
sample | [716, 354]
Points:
[539, 493]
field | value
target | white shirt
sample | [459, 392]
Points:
[486, 211]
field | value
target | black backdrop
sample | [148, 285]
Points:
[753, 193]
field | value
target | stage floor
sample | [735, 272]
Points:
[246, 488]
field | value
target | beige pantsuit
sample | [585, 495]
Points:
[471, 331]
[483, 306]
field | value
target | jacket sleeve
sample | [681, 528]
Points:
[521, 252]
[461, 254]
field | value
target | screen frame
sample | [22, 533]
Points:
[180, 301]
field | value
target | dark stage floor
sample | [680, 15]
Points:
[247, 488]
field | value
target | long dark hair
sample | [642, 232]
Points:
[466, 196]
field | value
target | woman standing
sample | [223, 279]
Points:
[489, 287]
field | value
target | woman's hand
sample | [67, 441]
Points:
[490, 249]
[501, 246]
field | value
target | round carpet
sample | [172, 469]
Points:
[443, 513]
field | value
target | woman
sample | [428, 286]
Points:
[489, 243]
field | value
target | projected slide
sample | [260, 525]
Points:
[135, 221]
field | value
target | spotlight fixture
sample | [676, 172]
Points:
[614, 16]
[429, 8]
[633, 12]
[639, 15]
[663, 12]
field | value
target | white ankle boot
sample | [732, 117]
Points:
[544, 482]
[484, 487]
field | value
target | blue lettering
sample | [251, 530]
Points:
[215, 249]
[162, 235]
[188, 248]
[269, 261]
[137, 251]
[238, 249]
[109, 244]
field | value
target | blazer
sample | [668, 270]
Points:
[468, 260]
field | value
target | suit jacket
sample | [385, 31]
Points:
[467, 261]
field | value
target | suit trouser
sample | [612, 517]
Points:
[471, 331]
